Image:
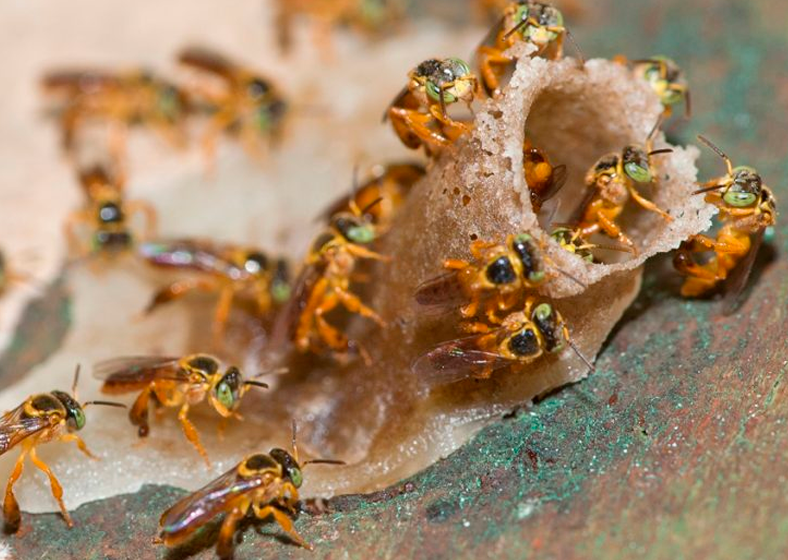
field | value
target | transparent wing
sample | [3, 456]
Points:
[457, 360]
[444, 290]
[127, 372]
[557, 182]
[287, 319]
[189, 254]
[737, 281]
[15, 426]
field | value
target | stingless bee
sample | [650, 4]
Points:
[383, 194]
[228, 269]
[42, 418]
[175, 383]
[122, 99]
[515, 341]
[265, 484]
[610, 183]
[245, 105]
[106, 214]
[523, 21]
[746, 209]
[666, 79]
[324, 284]
[419, 113]
[543, 179]
[494, 280]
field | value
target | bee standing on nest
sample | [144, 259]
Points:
[265, 484]
[383, 194]
[515, 341]
[106, 214]
[244, 104]
[175, 383]
[666, 79]
[543, 179]
[227, 269]
[42, 418]
[419, 113]
[324, 284]
[494, 280]
[122, 99]
[747, 208]
[523, 21]
[611, 183]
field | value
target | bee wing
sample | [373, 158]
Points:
[287, 319]
[190, 254]
[75, 81]
[557, 182]
[456, 360]
[440, 292]
[128, 373]
[198, 508]
[588, 197]
[737, 281]
[208, 60]
[14, 427]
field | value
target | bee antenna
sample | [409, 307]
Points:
[660, 151]
[76, 381]
[275, 371]
[257, 384]
[323, 462]
[573, 278]
[717, 151]
[353, 191]
[654, 130]
[517, 27]
[709, 189]
[371, 205]
[295, 446]
[104, 403]
[577, 47]
[577, 351]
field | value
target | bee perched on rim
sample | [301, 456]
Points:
[122, 99]
[265, 484]
[515, 341]
[610, 183]
[324, 284]
[383, 194]
[419, 113]
[523, 21]
[494, 281]
[228, 269]
[747, 208]
[42, 418]
[666, 79]
[106, 214]
[175, 383]
[245, 104]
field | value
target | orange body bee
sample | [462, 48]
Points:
[543, 179]
[244, 104]
[523, 21]
[42, 418]
[106, 214]
[746, 209]
[227, 269]
[121, 99]
[419, 113]
[175, 383]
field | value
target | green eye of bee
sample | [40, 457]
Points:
[434, 91]
[521, 14]
[637, 172]
[263, 119]
[296, 477]
[280, 292]
[225, 395]
[543, 311]
[361, 234]
[739, 199]
[79, 418]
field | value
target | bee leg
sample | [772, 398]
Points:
[306, 321]
[700, 279]
[224, 544]
[284, 522]
[10, 505]
[139, 412]
[177, 290]
[223, 308]
[474, 327]
[353, 304]
[191, 433]
[478, 249]
[218, 124]
[254, 145]
[117, 140]
[80, 444]
[648, 205]
[450, 128]
[411, 127]
[363, 253]
[142, 207]
[75, 245]
[489, 56]
[57, 489]
[455, 264]
[611, 229]
[330, 335]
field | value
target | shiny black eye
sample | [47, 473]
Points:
[524, 343]
[501, 271]
[257, 88]
[110, 213]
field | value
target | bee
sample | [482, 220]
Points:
[175, 382]
[543, 179]
[666, 79]
[570, 240]
[419, 113]
[382, 195]
[122, 99]
[609, 185]
[266, 484]
[746, 209]
[42, 418]
[228, 269]
[519, 339]
[246, 105]
[523, 21]
[106, 213]
[324, 284]
[494, 280]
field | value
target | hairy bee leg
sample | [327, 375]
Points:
[224, 543]
[353, 304]
[223, 308]
[474, 327]
[329, 334]
[57, 489]
[67, 438]
[451, 129]
[284, 522]
[455, 264]
[306, 321]
[471, 308]
[177, 290]
[151, 220]
[731, 246]
[610, 228]
[364, 253]
[409, 124]
[648, 205]
[489, 56]
[191, 433]
[217, 125]
[478, 249]
[10, 505]
[139, 412]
